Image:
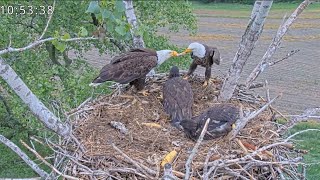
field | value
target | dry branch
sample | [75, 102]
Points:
[275, 43]
[307, 114]
[195, 149]
[24, 157]
[242, 122]
[246, 46]
[46, 162]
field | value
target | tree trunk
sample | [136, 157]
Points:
[246, 46]
[275, 44]
[35, 105]
[132, 20]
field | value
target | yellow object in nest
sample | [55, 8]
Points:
[169, 158]
[154, 125]
[233, 126]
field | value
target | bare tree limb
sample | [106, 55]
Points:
[275, 43]
[24, 157]
[242, 122]
[132, 20]
[291, 53]
[38, 42]
[35, 105]
[195, 150]
[48, 22]
[246, 46]
[307, 114]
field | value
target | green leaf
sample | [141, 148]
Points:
[110, 27]
[106, 14]
[119, 6]
[61, 46]
[83, 32]
[93, 7]
[66, 36]
[121, 30]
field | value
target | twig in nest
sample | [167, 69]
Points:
[46, 162]
[143, 169]
[242, 122]
[167, 174]
[120, 126]
[195, 150]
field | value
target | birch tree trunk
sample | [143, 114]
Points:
[48, 119]
[246, 46]
[132, 20]
[275, 44]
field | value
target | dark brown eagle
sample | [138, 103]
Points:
[222, 117]
[132, 67]
[177, 97]
[202, 55]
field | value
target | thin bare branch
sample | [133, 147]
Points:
[48, 22]
[38, 42]
[276, 43]
[46, 162]
[242, 122]
[24, 157]
[307, 114]
[195, 150]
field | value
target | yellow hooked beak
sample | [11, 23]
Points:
[187, 50]
[233, 126]
[174, 54]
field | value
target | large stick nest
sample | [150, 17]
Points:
[138, 152]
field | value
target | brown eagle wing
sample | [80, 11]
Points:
[214, 55]
[222, 116]
[129, 67]
[178, 99]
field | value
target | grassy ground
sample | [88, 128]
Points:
[309, 141]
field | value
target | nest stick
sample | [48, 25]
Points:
[195, 149]
[46, 162]
[143, 169]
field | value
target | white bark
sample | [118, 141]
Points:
[247, 44]
[132, 20]
[275, 43]
[23, 156]
[35, 105]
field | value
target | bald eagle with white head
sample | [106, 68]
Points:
[132, 67]
[204, 56]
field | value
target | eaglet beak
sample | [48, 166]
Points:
[185, 52]
[174, 54]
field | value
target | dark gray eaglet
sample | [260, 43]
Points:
[204, 56]
[177, 97]
[222, 117]
[132, 67]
